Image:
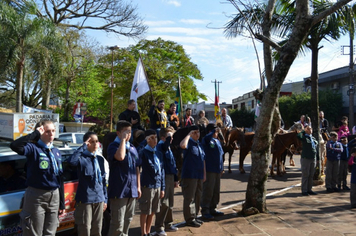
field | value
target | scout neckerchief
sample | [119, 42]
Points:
[53, 159]
[129, 159]
[311, 140]
[188, 121]
[97, 170]
[155, 159]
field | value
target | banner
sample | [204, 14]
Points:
[216, 106]
[177, 100]
[140, 82]
[27, 109]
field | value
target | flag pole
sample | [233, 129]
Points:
[180, 99]
[144, 69]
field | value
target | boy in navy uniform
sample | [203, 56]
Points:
[152, 181]
[124, 180]
[333, 153]
[352, 164]
[164, 218]
[193, 176]
[91, 196]
[44, 196]
[344, 159]
[214, 169]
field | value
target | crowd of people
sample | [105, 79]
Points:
[146, 174]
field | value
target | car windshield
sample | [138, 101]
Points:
[79, 138]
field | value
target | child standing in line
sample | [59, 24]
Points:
[352, 163]
[91, 196]
[152, 182]
[344, 159]
[164, 218]
[193, 176]
[333, 153]
[214, 169]
[124, 180]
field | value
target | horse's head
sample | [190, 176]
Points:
[297, 143]
[237, 135]
[296, 127]
[138, 137]
[221, 137]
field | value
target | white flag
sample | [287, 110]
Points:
[140, 82]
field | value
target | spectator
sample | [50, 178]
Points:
[303, 121]
[172, 116]
[352, 163]
[343, 130]
[188, 120]
[158, 117]
[226, 119]
[338, 124]
[202, 120]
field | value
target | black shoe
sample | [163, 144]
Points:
[336, 189]
[345, 188]
[199, 221]
[207, 217]
[305, 194]
[312, 193]
[193, 223]
[329, 190]
[217, 213]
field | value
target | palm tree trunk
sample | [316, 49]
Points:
[19, 83]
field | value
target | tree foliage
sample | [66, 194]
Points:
[293, 107]
[242, 117]
[165, 62]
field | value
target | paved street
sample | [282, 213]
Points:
[233, 188]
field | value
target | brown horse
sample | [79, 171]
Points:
[232, 137]
[282, 142]
[244, 150]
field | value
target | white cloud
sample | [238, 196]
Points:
[194, 21]
[173, 2]
[186, 31]
[159, 23]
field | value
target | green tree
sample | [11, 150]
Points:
[243, 117]
[266, 122]
[23, 35]
[165, 62]
[296, 105]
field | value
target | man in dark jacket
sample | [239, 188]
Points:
[131, 116]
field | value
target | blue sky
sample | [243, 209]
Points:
[198, 26]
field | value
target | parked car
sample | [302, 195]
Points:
[76, 138]
[71, 137]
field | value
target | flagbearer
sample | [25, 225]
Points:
[131, 116]
[158, 116]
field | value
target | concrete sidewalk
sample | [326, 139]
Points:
[290, 213]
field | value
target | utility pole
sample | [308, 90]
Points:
[218, 97]
[112, 84]
[350, 91]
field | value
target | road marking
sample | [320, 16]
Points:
[240, 203]
[269, 194]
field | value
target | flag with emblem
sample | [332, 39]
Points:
[177, 100]
[217, 108]
[140, 83]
